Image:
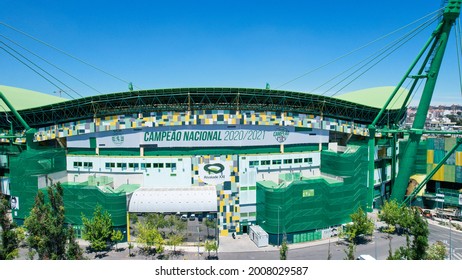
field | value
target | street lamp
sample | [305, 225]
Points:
[279, 208]
[198, 241]
[450, 241]
[375, 238]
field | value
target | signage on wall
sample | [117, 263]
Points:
[200, 136]
[215, 172]
[118, 140]
[281, 134]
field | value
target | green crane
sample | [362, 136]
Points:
[435, 48]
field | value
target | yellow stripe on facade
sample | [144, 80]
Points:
[430, 154]
[439, 176]
[459, 158]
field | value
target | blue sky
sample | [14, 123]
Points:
[170, 44]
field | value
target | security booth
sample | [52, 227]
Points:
[258, 236]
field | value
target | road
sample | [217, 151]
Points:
[378, 248]
[452, 239]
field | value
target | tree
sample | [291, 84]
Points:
[9, 237]
[98, 230]
[403, 253]
[390, 213]
[133, 218]
[156, 220]
[180, 226]
[20, 234]
[417, 227]
[175, 239]
[171, 222]
[130, 247]
[211, 246]
[389, 230]
[74, 252]
[420, 232]
[350, 253]
[283, 250]
[360, 225]
[149, 236]
[116, 237]
[404, 218]
[48, 233]
[36, 224]
[437, 251]
[209, 224]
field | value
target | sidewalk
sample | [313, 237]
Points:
[242, 243]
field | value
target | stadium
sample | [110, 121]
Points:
[292, 163]
[283, 164]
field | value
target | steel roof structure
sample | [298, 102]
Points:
[190, 99]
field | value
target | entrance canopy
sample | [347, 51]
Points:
[173, 200]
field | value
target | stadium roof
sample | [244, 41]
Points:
[45, 110]
[26, 99]
[375, 97]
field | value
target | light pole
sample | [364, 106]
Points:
[279, 208]
[450, 241]
[198, 241]
[375, 239]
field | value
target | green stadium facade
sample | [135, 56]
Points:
[293, 163]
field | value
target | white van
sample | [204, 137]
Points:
[366, 258]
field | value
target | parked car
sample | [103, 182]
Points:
[184, 217]
[192, 217]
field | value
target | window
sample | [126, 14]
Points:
[265, 162]
[288, 161]
[298, 160]
[77, 164]
[254, 163]
[148, 165]
[119, 165]
[122, 165]
[277, 161]
[133, 165]
[309, 160]
[88, 164]
[110, 164]
[170, 165]
[143, 166]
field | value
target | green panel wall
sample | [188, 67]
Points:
[78, 199]
[317, 203]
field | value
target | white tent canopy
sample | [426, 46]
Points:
[173, 200]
